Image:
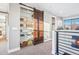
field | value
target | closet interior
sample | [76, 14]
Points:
[31, 26]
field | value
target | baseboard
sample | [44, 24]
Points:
[53, 52]
[13, 50]
[47, 40]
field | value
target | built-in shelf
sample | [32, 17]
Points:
[26, 27]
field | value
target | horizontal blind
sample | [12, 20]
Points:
[65, 41]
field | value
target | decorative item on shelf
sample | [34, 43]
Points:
[2, 36]
[32, 32]
[20, 30]
[21, 25]
[23, 44]
[30, 42]
[21, 19]
[0, 33]
[60, 28]
[22, 35]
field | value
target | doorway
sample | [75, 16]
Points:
[4, 33]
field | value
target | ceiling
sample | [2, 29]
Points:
[58, 9]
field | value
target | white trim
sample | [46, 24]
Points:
[53, 52]
[53, 42]
[13, 50]
[45, 40]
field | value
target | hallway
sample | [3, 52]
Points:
[40, 49]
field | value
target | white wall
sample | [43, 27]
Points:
[4, 7]
[14, 26]
[58, 23]
[47, 26]
[59, 9]
[51, 35]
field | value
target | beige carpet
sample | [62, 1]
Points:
[40, 49]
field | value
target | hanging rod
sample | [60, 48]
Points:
[27, 9]
[26, 5]
[3, 12]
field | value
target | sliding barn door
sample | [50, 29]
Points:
[38, 26]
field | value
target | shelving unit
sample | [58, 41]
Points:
[26, 27]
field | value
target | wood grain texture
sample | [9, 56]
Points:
[38, 26]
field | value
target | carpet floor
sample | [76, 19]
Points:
[39, 49]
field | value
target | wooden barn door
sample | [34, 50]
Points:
[38, 26]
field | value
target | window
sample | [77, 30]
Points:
[67, 24]
[71, 24]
